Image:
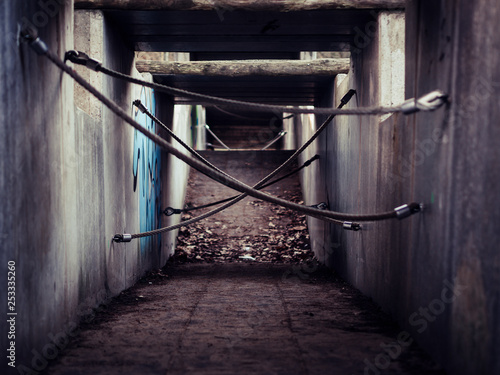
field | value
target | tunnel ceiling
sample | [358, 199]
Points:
[234, 35]
[239, 31]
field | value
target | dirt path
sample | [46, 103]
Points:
[250, 229]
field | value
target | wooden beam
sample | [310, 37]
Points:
[242, 68]
[247, 5]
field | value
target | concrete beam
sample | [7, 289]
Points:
[257, 5]
[242, 68]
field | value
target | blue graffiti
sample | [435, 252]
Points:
[146, 173]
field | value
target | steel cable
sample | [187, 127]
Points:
[148, 113]
[208, 171]
[428, 102]
[217, 138]
[171, 211]
[191, 150]
[195, 153]
[236, 199]
[209, 99]
[261, 183]
[274, 140]
[403, 211]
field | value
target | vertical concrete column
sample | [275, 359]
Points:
[88, 38]
[165, 112]
[311, 179]
[200, 131]
[391, 73]
[176, 175]
[289, 141]
[174, 171]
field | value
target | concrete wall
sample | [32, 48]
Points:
[313, 188]
[38, 214]
[129, 178]
[70, 178]
[198, 129]
[180, 120]
[174, 173]
[174, 177]
[437, 272]
[456, 166]
[357, 154]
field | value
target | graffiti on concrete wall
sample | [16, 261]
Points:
[146, 173]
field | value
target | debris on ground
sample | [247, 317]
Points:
[283, 239]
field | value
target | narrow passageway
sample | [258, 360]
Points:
[243, 294]
[114, 258]
[251, 229]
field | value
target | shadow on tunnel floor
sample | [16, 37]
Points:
[245, 317]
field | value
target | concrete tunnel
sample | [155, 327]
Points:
[257, 288]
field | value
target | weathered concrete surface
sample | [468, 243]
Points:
[456, 164]
[242, 318]
[38, 214]
[200, 132]
[174, 176]
[173, 172]
[66, 180]
[436, 272]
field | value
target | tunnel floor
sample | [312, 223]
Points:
[245, 317]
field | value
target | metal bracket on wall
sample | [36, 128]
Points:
[406, 210]
[349, 225]
[81, 58]
[122, 238]
[320, 206]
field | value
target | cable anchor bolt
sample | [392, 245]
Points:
[349, 225]
[169, 211]
[140, 107]
[428, 102]
[406, 210]
[81, 58]
[309, 162]
[320, 206]
[122, 237]
[347, 97]
[29, 35]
